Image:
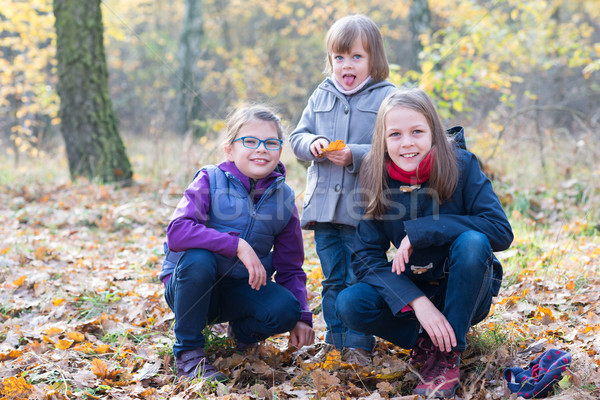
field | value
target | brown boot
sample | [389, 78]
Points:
[420, 353]
[440, 375]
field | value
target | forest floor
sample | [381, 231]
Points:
[82, 314]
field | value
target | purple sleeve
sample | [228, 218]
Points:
[288, 257]
[187, 230]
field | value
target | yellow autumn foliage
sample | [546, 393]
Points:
[15, 388]
[335, 146]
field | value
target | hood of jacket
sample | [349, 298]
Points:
[457, 134]
[328, 85]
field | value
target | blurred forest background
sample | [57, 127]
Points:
[522, 76]
[82, 313]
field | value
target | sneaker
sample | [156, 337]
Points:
[240, 346]
[440, 375]
[420, 353]
[193, 364]
[356, 356]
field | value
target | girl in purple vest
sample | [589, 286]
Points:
[235, 226]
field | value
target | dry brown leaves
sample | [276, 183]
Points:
[83, 315]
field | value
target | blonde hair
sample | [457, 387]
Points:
[342, 35]
[246, 113]
[374, 176]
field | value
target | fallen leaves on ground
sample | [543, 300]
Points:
[83, 314]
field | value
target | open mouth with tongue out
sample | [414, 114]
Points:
[348, 79]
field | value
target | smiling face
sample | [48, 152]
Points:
[352, 68]
[254, 163]
[408, 137]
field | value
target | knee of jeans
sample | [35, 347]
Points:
[347, 307]
[283, 315]
[197, 265]
[471, 249]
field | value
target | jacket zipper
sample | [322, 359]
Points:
[254, 207]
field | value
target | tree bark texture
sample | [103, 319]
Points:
[88, 123]
[190, 48]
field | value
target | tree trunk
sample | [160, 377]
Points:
[88, 122]
[420, 23]
[190, 47]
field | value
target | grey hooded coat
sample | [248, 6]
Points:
[332, 191]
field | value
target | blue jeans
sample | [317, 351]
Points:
[197, 296]
[466, 301]
[334, 248]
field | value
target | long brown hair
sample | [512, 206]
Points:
[374, 176]
[341, 37]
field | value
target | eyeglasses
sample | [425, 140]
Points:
[250, 142]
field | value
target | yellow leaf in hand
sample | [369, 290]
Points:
[335, 146]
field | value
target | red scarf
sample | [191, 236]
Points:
[424, 170]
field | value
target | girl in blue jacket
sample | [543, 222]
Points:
[343, 107]
[425, 194]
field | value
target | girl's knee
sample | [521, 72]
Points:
[472, 240]
[197, 265]
[349, 307]
[343, 304]
[470, 250]
[288, 320]
[284, 314]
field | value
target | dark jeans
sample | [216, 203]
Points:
[467, 300]
[198, 296]
[334, 248]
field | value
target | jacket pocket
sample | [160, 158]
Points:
[311, 183]
[324, 112]
[366, 104]
[324, 103]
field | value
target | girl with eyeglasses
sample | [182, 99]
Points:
[235, 226]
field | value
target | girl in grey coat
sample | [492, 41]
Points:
[343, 107]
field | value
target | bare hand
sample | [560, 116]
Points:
[317, 147]
[401, 256]
[257, 275]
[435, 323]
[341, 157]
[302, 335]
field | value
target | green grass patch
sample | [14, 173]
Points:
[92, 304]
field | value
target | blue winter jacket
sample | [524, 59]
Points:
[221, 205]
[233, 211]
[432, 228]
